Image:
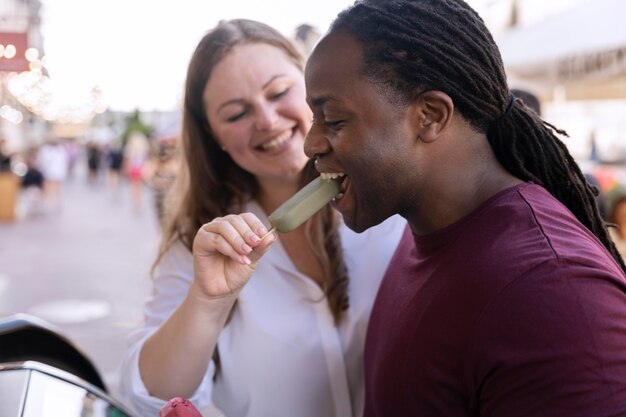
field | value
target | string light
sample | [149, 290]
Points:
[37, 92]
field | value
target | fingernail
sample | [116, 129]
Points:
[246, 248]
[255, 238]
[246, 260]
[262, 231]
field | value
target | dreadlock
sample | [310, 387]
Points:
[412, 46]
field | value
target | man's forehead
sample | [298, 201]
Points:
[337, 50]
[334, 64]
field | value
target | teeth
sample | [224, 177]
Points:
[277, 141]
[338, 197]
[331, 175]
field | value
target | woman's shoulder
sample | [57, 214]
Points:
[176, 258]
[374, 245]
[388, 231]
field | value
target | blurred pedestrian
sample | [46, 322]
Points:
[115, 161]
[269, 327]
[599, 192]
[5, 156]
[32, 192]
[94, 157]
[135, 156]
[529, 99]
[160, 172]
[507, 296]
[53, 161]
[306, 37]
[73, 152]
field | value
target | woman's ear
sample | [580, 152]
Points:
[432, 112]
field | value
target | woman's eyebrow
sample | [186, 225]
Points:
[242, 101]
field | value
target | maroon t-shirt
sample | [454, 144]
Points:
[516, 310]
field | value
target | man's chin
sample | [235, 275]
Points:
[354, 225]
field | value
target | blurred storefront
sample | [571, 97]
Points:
[580, 53]
[575, 62]
[20, 45]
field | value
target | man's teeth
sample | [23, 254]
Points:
[331, 175]
[274, 143]
[338, 197]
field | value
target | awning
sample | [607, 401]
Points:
[582, 50]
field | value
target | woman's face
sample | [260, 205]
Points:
[255, 104]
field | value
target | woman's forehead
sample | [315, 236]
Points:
[247, 70]
[253, 60]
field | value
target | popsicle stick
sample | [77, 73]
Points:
[272, 230]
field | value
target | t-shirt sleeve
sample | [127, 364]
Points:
[552, 343]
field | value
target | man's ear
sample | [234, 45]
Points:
[432, 114]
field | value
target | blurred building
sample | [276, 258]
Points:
[21, 43]
[572, 55]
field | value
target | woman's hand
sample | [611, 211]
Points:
[226, 251]
[175, 358]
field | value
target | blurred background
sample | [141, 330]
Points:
[90, 93]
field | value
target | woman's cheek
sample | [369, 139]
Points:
[233, 137]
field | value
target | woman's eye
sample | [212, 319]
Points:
[236, 117]
[279, 94]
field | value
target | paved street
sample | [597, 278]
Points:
[85, 270]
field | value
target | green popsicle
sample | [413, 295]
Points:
[305, 203]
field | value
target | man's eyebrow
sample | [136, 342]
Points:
[321, 100]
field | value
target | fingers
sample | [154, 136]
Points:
[235, 236]
[209, 241]
[266, 241]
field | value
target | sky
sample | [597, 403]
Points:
[137, 51]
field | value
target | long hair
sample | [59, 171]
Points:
[210, 184]
[411, 46]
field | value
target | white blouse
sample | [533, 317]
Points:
[281, 353]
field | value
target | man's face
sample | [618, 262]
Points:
[358, 131]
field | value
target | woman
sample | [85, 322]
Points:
[264, 328]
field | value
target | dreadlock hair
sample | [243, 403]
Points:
[413, 46]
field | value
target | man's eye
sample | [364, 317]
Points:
[334, 124]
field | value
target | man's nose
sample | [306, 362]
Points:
[314, 142]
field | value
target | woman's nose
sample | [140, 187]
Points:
[266, 117]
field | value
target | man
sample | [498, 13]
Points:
[506, 297]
